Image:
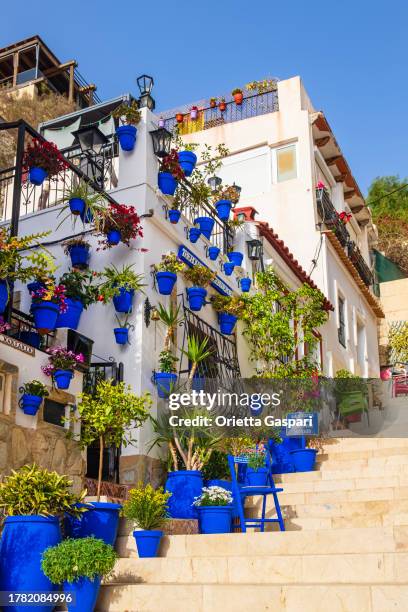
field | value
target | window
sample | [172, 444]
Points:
[342, 321]
[286, 163]
[54, 412]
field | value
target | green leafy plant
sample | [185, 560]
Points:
[146, 507]
[214, 496]
[16, 264]
[34, 490]
[398, 341]
[199, 276]
[80, 285]
[74, 559]
[73, 242]
[170, 263]
[233, 305]
[116, 279]
[236, 91]
[197, 351]
[167, 361]
[171, 318]
[256, 458]
[128, 113]
[35, 387]
[217, 467]
[262, 86]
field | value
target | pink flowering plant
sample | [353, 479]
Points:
[51, 293]
[256, 457]
[61, 359]
[213, 496]
[320, 185]
[4, 326]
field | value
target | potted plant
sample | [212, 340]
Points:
[238, 96]
[78, 249]
[187, 158]
[33, 393]
[79, 565]
[229, 310]
[179, 117]
[224, 199]
[120, 286]
[61, 365]
[216, 472]
[147, 509]
[235, 257]
[200, 277]
[130, 116]
[122, 332]
[213, 102]
[257, 472]
[206, 225]
[109, 417]
[194, 113]
[119, 223]
[222, 105]
[41, 159]
[245, 283]
[47, 302]
[170, 172]
[228, 267]
[32, 499]
[262, 86]
[304, 459]
[166, 377]
[214, 510]
[80, 292]
[166, 272]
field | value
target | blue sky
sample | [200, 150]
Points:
[352, 57]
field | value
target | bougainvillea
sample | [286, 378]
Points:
[170, 163]
[124, 219]
[45, 155]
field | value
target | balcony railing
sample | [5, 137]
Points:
[23, 328]
[358, 260]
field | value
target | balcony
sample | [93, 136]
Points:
[359, 262]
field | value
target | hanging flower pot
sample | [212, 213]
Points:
[222, 106]
[223, 208]
[45, 316]
[174, 215]
[162, 123]
[193, 113]
[236, 257]
[165, 282]
[164, 381]
[30, 404]
[77, 206]
[238, 96]
[206, 225]
[79, 254]
[121, 335]
[227, 323]
[304, 459]
[70, 318]
[179, 117]
[167, 183]
[213, 252]
[194, 234]
[127, 137]
[196, 297]
[213, 102]
[37, 175]
[31, 338]
[113, 237]
[187, 160]
[62, 378]
[4, 295]
[228, 268]
[245, 284]
[147, 542]
[123, 301]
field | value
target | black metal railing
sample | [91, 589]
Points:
[101, 370]
[23, 328]
[330, 217]
[358, 260]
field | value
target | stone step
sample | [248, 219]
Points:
[341, 541]
[330, 454]
[360, 444]
[351, 484]
[377, 462]
[342, 472]
[243, 597]
[343, 495]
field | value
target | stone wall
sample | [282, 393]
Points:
[394, 300]
[141, 468]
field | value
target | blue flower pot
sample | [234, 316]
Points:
[127, 137]
[30, 403]
[223, 208]
[121, 335]
[4, 295]
[165, 381]
[304, 459]
[206, 225]
[282, 459]
[187, 160]
[174, 215]
[194, 234]
[213, 252]
[45, 316]
[196, 297]
[165, 282]
[34, 286]
[228, 268]
[123, 301]
[37, 175]
[79, 255]
[31, 338]
[113, 237]
[167, 183]
[23, 541]
[85, 592]
[227, 322]
[70, 318]
[77, 206]
[236, 257]
[216, 482]
[62, 378]
[245, 284]
[147, 542]
[215, 519]
[100, 520]
[257, 478]
[184, 486]
[87, 216]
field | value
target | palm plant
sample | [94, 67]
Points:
[197, 351]
[171, 318]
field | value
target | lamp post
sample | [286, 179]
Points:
[255, 251]
[145, 84]
[161, 141]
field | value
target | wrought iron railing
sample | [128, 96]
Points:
[358, 260]
[330, 217]
[23, 328]
[102, 370]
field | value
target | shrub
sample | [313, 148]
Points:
[231, 305]
[128, 113]
[35, 387]
[146, 507]
[170, 263]
[116, 279]
[45, 155]
[79, 285]
[199, 276]
[167, 361]
[214, 496]
[217, 467]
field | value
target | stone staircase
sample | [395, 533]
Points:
[345, 548]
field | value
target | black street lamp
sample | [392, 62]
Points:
[161, 142]
[255, 249]
[145, 84]
[90, 138]
[214, 182]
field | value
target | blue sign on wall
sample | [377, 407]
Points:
[192, 260]
[302, 424]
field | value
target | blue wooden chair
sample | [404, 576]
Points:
[240, 491]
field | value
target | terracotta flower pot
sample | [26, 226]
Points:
[222, 106]
[238, 98]
[179, 117]
[213, 103]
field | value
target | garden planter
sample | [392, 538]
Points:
[167, 183]
[100, 520]
[213, 103]
[236, 257]
[245, 284]
[70, 318]
[37, 175]
[179, 117]
[45, 316]
[228, 268]
[79, 255]
[113, 237]
[282, 460]
[62, 378]
[147, 542]
[174, 215]
[257, 478]
[206, 225]
[4, 295]
[187, 160]
[23, 541]
[123, 301]
[194, 234]
[164, 381]
[304, 459]
[216, 482]
[223, 208]
[238, 98]
[31, 338]
[127, 137]
[213, 252]
[196, 297]
[165, 282]
[215, 519]
[121, 335]
[77, 206]
[30, 403]
[194, 114]
[185, 486]
[227, 323]
[222, 106]
[86, 593]
[34, 286]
